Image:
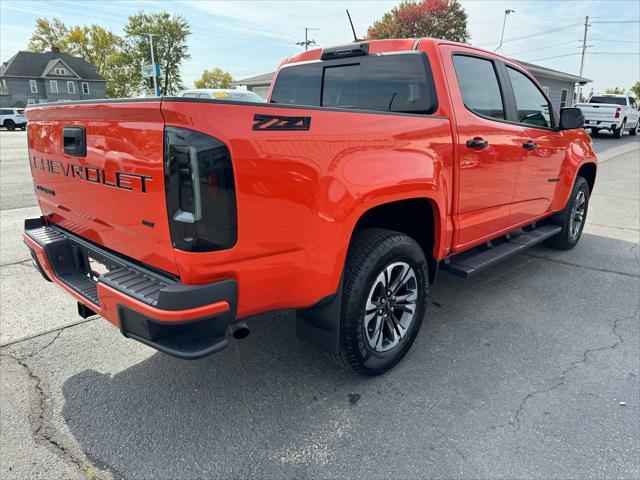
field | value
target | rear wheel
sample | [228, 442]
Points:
[572, 218]
[634, 130]
[9, 125]
[617, 132]
[384, 299]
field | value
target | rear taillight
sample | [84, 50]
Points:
[618, 110]
[201, 197]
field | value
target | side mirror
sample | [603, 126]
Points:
[571, 117]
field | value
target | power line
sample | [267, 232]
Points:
[587, 53]
[537, 34]
[612, 40]
[619, 21]
[542, 48]
[557, 56]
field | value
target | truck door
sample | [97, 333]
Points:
[488, 149]
[542, 148]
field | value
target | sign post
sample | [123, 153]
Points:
[152, 71]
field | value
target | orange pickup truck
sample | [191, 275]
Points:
[372, 165]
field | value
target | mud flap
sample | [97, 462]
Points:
[319, 325]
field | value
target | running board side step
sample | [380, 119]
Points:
[467, 264]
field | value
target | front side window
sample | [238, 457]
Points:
[479, 86]
[34, 86]
[71, 88]
[531, 105]
[54, 86]
[85, 88]
[399, 83]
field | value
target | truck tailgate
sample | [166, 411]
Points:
[598, 112]
[113, 194]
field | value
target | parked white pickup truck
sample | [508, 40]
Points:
[611, 112]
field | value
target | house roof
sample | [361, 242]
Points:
[538, 70]
[264, 79]
[32, 64]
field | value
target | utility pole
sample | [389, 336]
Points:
[307, 42]
[584, 50]
[504, 24]
[153, 62]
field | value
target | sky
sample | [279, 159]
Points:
[249, 38]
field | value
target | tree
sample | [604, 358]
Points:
[444, 19]
[48, 33]
[615, 90]
[636, 89]
[170, 47]
[216, 78]
[95, 44]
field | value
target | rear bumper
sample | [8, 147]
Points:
[186, 321]
[606, 124]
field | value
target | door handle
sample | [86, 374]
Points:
[477, 142]
[529, 145]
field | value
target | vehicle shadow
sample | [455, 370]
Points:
[272, 406]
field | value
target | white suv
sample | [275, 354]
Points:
[12, 118]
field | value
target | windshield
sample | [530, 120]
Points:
[610, 100]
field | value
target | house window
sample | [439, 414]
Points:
[42, 100]
[71, 87]
[30, 101]
[85, 88]
[34, 86]
[3, 85]
[61, 71]
[54, 86]
[563, 98]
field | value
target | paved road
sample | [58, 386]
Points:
[517, 373]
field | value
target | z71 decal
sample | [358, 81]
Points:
[278, 122]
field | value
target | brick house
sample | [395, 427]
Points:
[28, 78]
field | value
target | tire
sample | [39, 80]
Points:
[9, 125]
[23, 127]
[572, 218]
[373, 340]
[617, 132]
[595, 132]
[634, 130]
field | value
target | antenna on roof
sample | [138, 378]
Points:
[355, 37]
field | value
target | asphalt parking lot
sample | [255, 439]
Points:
[528, 371]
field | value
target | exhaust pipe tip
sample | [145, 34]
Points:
[240, 330]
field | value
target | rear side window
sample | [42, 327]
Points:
[399, 83]
[531, 105]
[479, 86]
